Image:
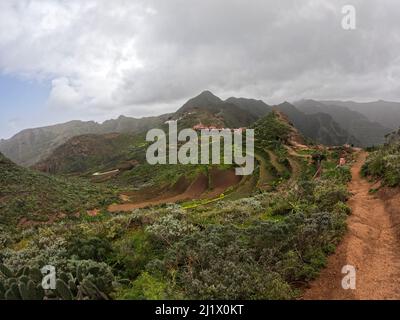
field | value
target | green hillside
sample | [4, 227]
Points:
[196, 236]
[264, 246]
[39, 197]
[92, 153]
[33, 145]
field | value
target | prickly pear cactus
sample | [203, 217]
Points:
[26, 284]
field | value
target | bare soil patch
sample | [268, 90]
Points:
[183, 190]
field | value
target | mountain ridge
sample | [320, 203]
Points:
[319, 127]
[373, 110]
[369, 133]
[31, 146]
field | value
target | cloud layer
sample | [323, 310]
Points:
[147, 56]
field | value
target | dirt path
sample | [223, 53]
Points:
[370, 245]
[274, 161]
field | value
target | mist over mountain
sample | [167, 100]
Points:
[319, 127]
[367, 132]
[384, 112]
[256, 107]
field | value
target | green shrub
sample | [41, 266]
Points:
[145, 287]
[384, 164]
[169, 229]
[328, 194]
[340, 174]
[89, 248]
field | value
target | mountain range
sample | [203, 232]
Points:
[324, 122]
[319, 127]
[356, 124]
[30, 146]
[386, 113]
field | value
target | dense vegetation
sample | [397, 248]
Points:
[88, 154]
[264, 238]
[266, 246]
[384, 164]
[35, 196]
[270, 131]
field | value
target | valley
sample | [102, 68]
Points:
[179, 153]
[117, 227]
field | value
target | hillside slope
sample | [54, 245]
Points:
[33, 145]
[92, 153]
[26, 194]
[257, 108]
[267, 242]
[383, 164]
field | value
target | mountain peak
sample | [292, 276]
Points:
[206, 100]
[206, 94]
[285, 104]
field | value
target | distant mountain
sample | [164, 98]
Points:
[240, 112]
[33, 145]
[211, 110]
[393, 137]
[282, 125]
[119, 158]
[320, 127]
[92, 152]
[356, 124]
[132, 125]
[257, 108]
[29, 146]
[385, 112]
[102, 152]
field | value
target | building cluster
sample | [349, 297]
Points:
[200, 126]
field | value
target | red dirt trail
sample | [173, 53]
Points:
[371, 245]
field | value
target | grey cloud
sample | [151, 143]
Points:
[150, 55]
[276, 50]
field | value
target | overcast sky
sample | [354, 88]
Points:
[95, 59]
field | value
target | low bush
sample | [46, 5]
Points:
[384, 164]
